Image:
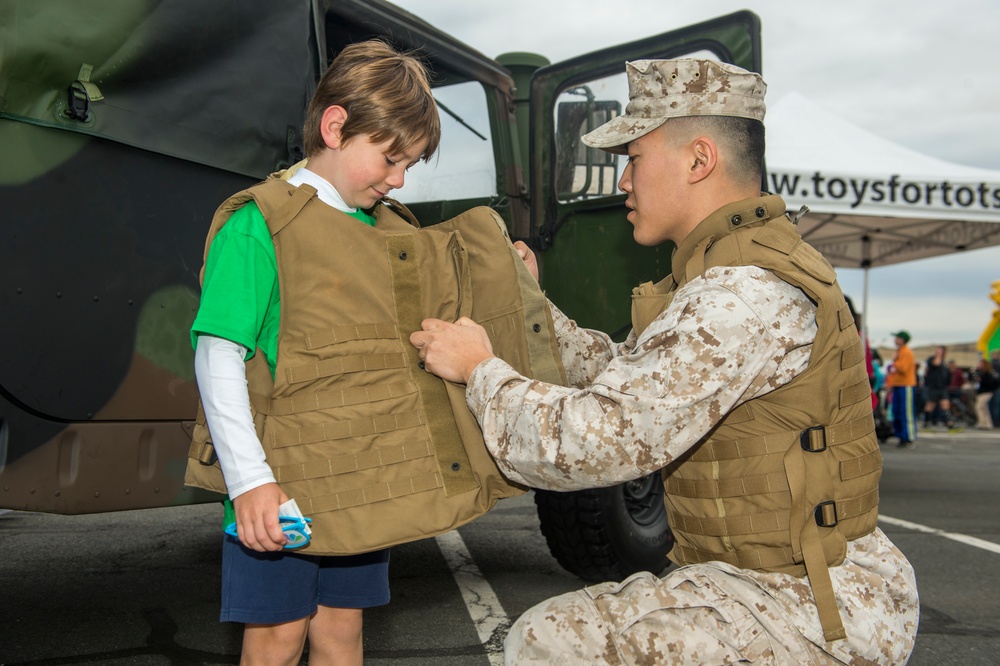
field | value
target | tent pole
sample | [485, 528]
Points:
[866, 264]
[864, 305]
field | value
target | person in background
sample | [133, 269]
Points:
[903, 379]
[995, 401]
[936, 378]
[957, 379]
[986, 388]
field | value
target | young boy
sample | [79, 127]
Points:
[372, 117]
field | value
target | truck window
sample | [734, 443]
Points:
[582, 172]
[463, 166]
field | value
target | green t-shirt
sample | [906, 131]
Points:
[240, 300]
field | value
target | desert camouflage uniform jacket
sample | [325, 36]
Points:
[631, 409]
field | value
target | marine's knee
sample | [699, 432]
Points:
[562, 630]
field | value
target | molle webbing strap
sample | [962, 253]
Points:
[452, 459]
[808, 541]
[855, 393]
[846, 319]
[344, 365]
[759, 484]
[338, 334]
[299, 404]
[866, 464]
[775, 521]
[379, 492]
[778, 442]
[852, 355]
[759, 558]
[353, 462]
[333, 430]
[756, 523]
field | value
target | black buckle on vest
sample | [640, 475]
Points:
[809, 443]
[826, 514]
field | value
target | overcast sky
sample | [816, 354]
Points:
[925, 75]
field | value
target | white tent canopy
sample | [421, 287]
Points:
[872, 202]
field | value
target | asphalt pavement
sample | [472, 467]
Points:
[141, 587]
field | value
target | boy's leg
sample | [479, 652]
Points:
[347, 584]
[267, 644]
[274, 595]
[335, 637]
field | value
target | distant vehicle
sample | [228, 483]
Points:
[124, 125]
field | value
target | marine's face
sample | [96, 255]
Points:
[369, 171]
[653, 180]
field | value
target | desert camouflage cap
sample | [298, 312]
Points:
[662, 89]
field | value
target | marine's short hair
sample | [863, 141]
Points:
[740, 140]
[387, 96]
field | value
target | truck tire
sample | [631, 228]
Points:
[607, 533]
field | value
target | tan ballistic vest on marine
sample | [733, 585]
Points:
[785, 480]
[373, 448]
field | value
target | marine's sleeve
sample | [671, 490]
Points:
[732, 335]
[584, 352]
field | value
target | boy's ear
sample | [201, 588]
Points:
[331, 126]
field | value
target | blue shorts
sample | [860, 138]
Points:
[271, 588]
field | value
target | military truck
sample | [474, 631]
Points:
[124, 125]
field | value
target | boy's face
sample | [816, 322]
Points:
[365, 172]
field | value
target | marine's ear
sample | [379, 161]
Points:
[704, 158]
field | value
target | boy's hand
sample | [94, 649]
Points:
[257, 518]
[452, 351]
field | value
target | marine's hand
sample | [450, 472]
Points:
[257, 518]
[452, 351]
[528, 257]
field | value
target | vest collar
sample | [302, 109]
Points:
[739, 214]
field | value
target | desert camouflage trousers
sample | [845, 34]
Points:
[696, 615]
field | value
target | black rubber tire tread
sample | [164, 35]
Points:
[592, 535]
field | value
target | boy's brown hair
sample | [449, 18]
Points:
[386, 94]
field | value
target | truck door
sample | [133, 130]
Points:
[589, 260]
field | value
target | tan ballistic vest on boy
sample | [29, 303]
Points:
[373, 448]
[786, 479]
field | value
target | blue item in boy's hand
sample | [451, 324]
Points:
[296, 530]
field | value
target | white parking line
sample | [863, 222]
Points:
[484, 607]
[954, 536]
